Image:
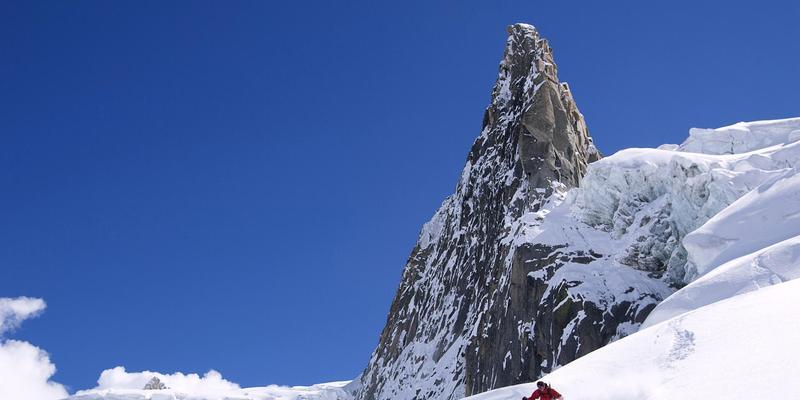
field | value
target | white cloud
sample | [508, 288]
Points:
[25, 372]
[209, 384]
[25, 369]
[117, 384]
[14, 311]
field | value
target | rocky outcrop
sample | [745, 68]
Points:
[480, 306]
[154, 384]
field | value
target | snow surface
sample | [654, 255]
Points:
[775, 264]
[742, 137]
[715, 352]
[752, 243]
[764, 216]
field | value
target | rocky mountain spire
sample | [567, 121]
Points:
[458, 309]
[529, 106]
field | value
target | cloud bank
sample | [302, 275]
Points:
[118, 384]
[210, 383]
[25, 370]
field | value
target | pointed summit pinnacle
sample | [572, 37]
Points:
[450, 324]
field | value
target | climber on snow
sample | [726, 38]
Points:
[544, 392]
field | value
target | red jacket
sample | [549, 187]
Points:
[547, 393]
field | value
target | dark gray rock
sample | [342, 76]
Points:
[154, 384]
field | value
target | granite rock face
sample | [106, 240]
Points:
[479, 305]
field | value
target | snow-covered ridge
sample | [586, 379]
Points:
[666, 194]
[742, 137]
[766, 215]
[770, 266]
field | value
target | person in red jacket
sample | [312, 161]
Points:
[544, 392]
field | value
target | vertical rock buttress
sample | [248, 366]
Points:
[454, 325]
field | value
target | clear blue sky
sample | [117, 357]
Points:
[237, 185]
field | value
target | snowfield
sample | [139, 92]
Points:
[721, 351]
[775, 264]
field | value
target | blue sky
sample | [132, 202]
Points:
[237, 185]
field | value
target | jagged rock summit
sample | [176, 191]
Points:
[154, 384]
[466, 317]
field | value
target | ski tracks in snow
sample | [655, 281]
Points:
[683, 345]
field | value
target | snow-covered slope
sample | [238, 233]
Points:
[721, 351]
[766, 215]
[753, 242]
[775, 264]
